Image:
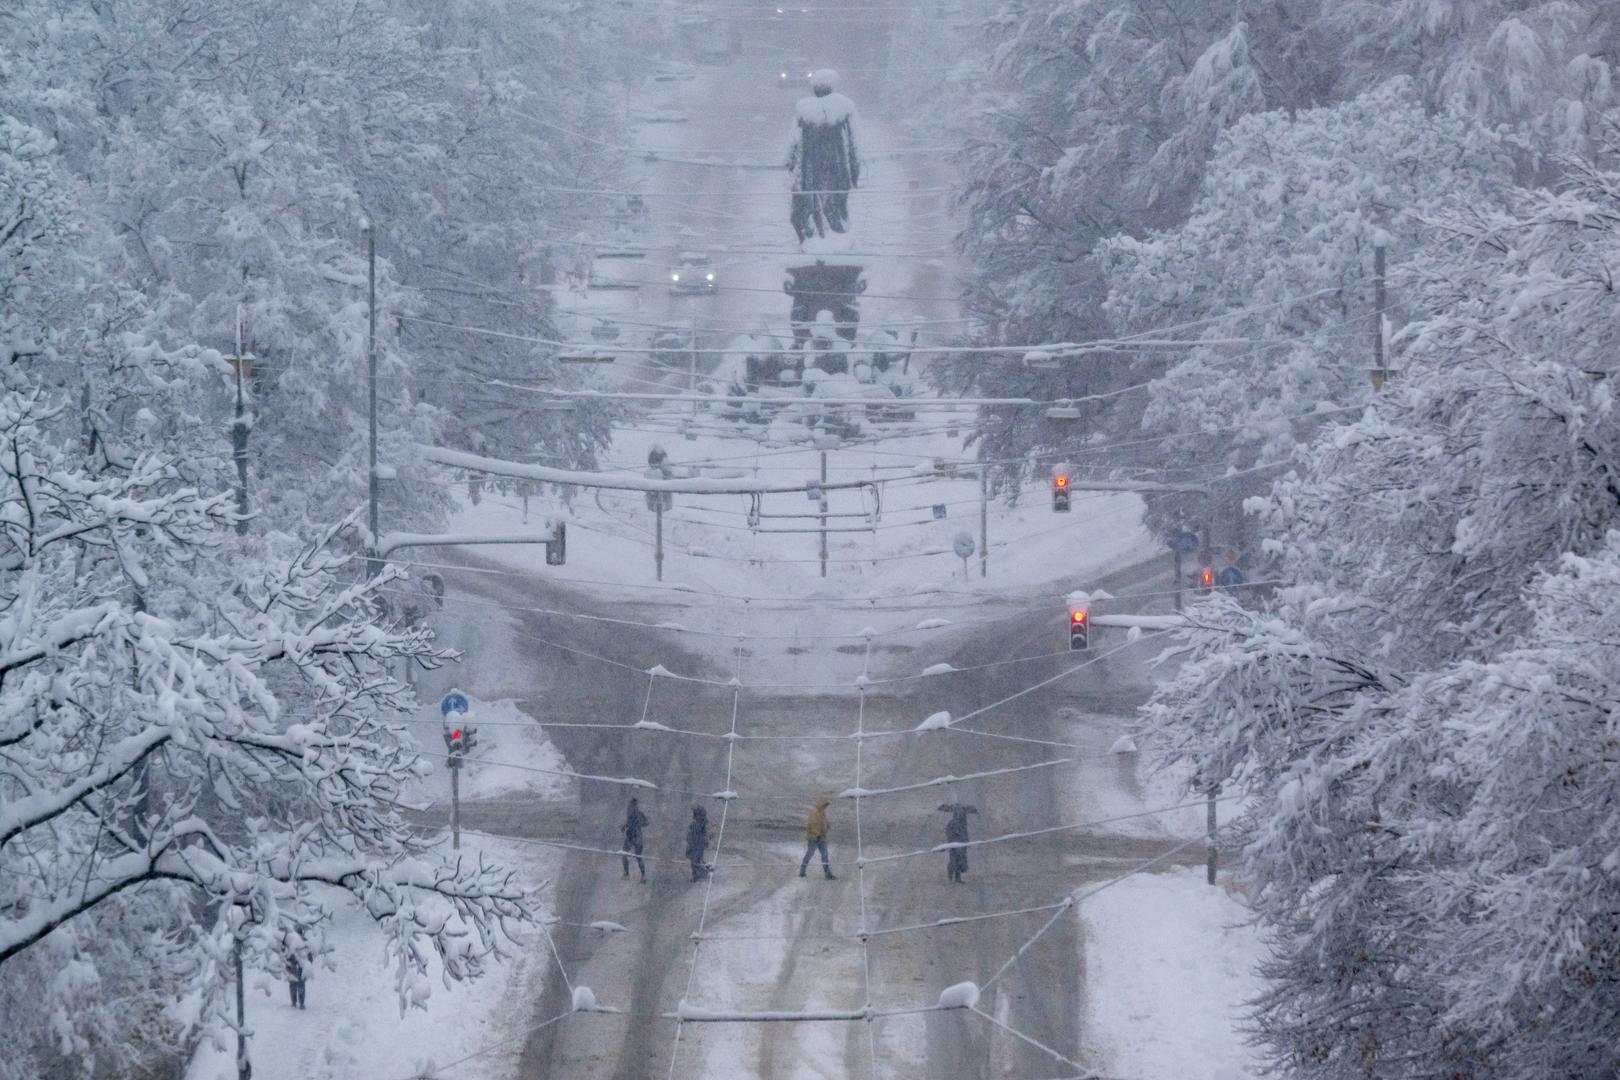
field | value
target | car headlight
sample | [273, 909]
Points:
[708, 277]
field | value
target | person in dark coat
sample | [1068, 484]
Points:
[297, 976]
[823, 160]
[634, 822]
[697, 841]
[956, 832]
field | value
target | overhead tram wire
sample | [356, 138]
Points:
[1124, 344]
[720, 836]
[1055, 348]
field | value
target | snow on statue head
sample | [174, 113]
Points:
[824, 80]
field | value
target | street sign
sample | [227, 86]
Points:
[454, 701]
[1184, 542]
[1229, 578]
[939, 511]
[963, 545]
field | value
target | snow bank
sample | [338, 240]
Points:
[1169, 964]
[935, 722]
[585, 999]
[938, 669]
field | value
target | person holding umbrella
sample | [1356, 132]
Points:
[956, 832]
[697, 841]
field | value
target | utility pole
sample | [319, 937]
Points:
[373, 564]
[1379, 372]
[239, 432]
[823, 513]
[984, 516]
[1209, 842]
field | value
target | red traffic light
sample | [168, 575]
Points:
[1079, 616]
[455, 736]
[1207, 578]
[1060, 482]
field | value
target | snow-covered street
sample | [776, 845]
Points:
[883, 539]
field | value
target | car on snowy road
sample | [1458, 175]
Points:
[794, 75]
[693, 273]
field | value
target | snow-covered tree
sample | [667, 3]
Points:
[1423, 721]
[1100, 120]
[177, 756]
[1274, 266]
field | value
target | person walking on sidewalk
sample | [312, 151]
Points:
[697, 841]
[956, 832]
[634, 822]
[815, 837]
[297, 976]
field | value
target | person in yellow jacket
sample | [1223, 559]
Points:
[815, 837]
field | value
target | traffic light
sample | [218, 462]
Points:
[1206, 579]
[1060, 493]
[456, 742]
[1079, 630]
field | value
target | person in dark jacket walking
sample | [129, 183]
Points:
[815, 839]
[634, 822]
[697, 841]
[956, 832]
[297, 976]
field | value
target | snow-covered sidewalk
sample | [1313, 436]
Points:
[1169, 965]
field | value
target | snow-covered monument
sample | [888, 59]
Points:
[825, 168]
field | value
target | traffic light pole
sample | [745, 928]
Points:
[984, 517]
[455, 802]
[1177, 555]
[658, 538]
[244, 1070]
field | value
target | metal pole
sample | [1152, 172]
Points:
[244, 1070]
[658, 545]
[1209, 843]
[455, 804]
[373, 564]
[239, 435]
[1378, 302]
[1178, 579]
[984, 517]
[691, 382]
[823, 514]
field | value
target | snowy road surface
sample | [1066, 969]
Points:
[776, 942]
[773, 942]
